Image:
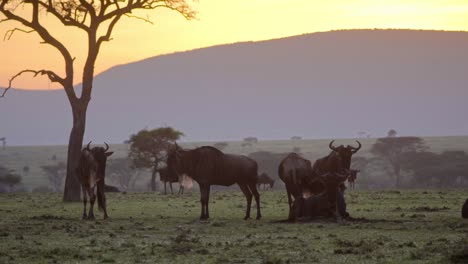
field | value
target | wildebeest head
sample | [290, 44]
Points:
[99, 155]
[345, 152]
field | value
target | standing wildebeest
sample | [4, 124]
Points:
[92, 171]
[352, 178]
[265, 180]
[293, 171]
[209, 166]
[167, 177]
[465, 209]
[336, 164]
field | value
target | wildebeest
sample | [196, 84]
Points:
[91, 172]
[352, 178]
[293, 171]
[465, 209]
[167, 177]
[170, 178]
[209, 166]
[337, 165]
[110, 188]
[265, 180]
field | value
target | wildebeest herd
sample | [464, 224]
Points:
[313, 190]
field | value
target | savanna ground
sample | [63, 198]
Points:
[390, 227]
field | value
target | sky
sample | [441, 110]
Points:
[220, 22]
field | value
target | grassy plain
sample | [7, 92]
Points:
[390, 227]
[36, 156]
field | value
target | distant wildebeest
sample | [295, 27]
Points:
[336, 164]
[265, 180]
[92, 171]
[465, 209]
[167, 177]
[209, 166]
[110, 188]
[352, 178]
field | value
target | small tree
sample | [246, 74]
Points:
[392, 133]
[393, 149]
[55, 175]
[26, 170]
[251, 140]
[148, 148]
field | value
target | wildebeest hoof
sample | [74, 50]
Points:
[91, 217]
[259, 217]
[84, 217]
[247, 217]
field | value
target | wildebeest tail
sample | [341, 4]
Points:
[101, 198]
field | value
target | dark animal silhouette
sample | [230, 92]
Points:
[92, 171]
[297, 175]
[110, 188]
[209, 166]
[336, 166]
[167, 177]
[465, 209]
[265, 180]
[352, 178]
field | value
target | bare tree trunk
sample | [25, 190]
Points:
[72, 191]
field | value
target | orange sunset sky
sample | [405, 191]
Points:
[223, 21]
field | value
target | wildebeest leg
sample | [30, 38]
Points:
[288, 192]
[165, 188]
[248, 195]
[170, 185]
[181, 189]
[254, 191]
[92, 199]
[204, 198]
[83, 189]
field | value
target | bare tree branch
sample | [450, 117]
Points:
[53, 77]
[10, 33]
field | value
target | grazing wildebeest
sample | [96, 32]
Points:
[209, 166]
[92, 171]
[465, 209]
[265, 180]
[352, 178]
[293, 171]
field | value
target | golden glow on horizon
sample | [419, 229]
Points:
[223, 21]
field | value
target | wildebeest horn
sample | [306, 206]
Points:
[87, 146]
[358, 148]
[331, 145]
[107, 147]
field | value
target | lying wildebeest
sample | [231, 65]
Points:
[465, 209]
[209, 166]
[91, 172]
[265, 180]
[352, 178]
[297, 175]
[110, 188]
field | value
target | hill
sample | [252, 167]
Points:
[319, 85]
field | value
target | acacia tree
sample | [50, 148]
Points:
[97, 19]
[148, 148]
[393, 150]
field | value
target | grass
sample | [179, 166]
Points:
[36, 156]
[391, 227]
